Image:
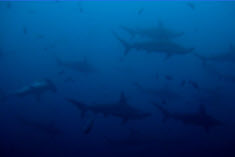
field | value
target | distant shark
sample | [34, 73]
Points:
[119, 109]
[80, 66]
[163, 93]
[154, 33]
[224, 57]
[162, 46]
[200, 118]
[37, 89]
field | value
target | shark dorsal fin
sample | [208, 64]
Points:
[123, 99]
[202, 109]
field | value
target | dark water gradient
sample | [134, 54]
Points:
[32, 34]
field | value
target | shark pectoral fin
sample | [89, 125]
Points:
[124, 120]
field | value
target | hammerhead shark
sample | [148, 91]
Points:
[167, 47]
[37, 89]
[228, 56]
[119, 109]
[200, 118]
[80, 66]
[155, 33]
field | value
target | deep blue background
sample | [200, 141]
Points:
[61, 29]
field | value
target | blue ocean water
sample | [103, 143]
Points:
[117, 78]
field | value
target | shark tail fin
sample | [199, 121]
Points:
[81, 106]
[203, 59]
[166, 114]
[124, 43]
[130, 31]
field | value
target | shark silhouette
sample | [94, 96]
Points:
[228, 56]
[119, 109]
[37, 89]
[167, 47]
[155, 33]
[200, 118]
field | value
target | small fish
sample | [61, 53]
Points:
[168, 77]
[140, 11]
